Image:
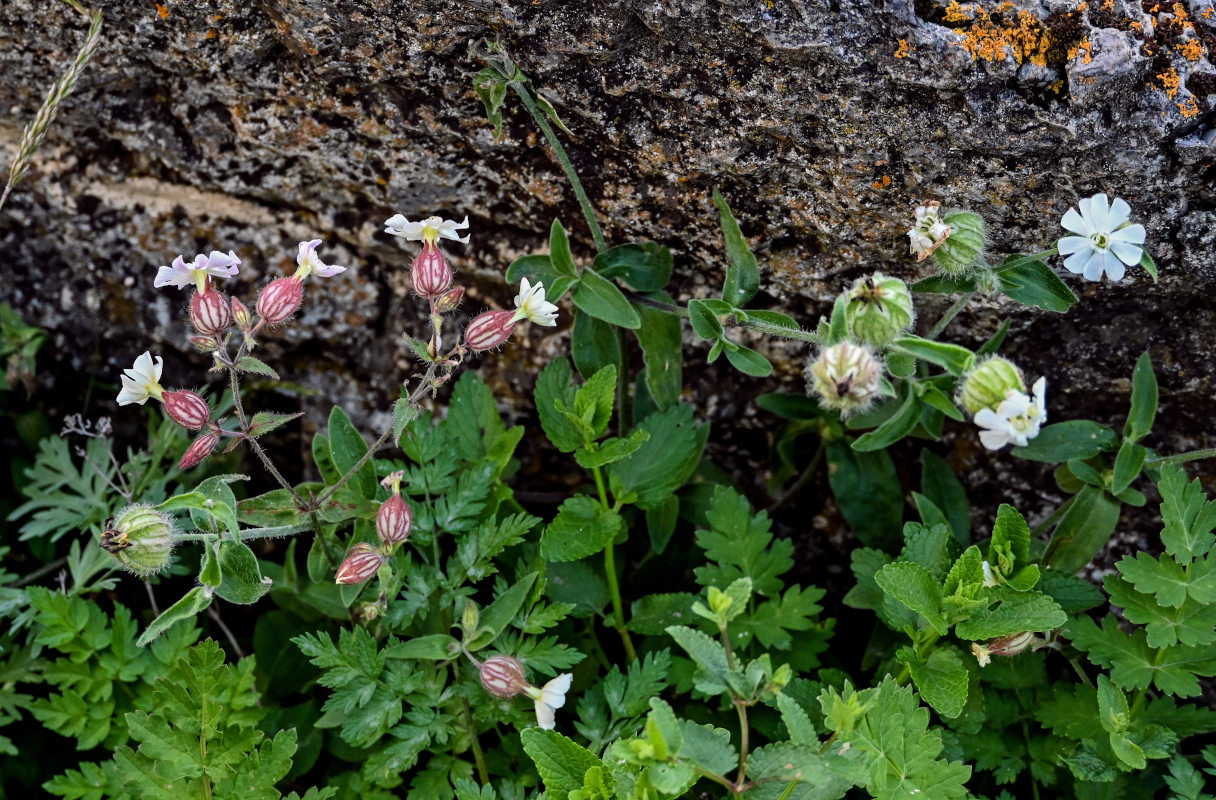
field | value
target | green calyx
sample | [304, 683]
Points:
[964, 246]
[879, 309]
[140, 538]
[986, 385]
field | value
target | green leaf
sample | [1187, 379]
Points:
[748, 361]
[1010, 538]
[1189, 517]
[1128, 463]
[560, 762]
[433, 647]
[937, 399]
[1150, 267]
[1144, 400]
[1191, 624]
[346, 445]
[1113, 711]
[645, 266]
[705, 322]
[944, 284]
[541, 269]
[867, 491]
[491, 89]
[256, 366]
[242, 582]
[264, 422]
[1134, 665]
[1032, 283]
[1072, 593]
[594, 344]
[1127, 751]
[899, 425]
[594, 400]
[652, 614]
[941, 679]
[1162, 577]
[601, 298]
[662, 341]
[555, 389]
[661, 523]
[582, 528]
[742, 277]
[741, 545]
[1083, 531]
[1015, 612]
[194, 602]
[559, 250]
[664, 462]
[609, 451]
[942, 486]
[956, 360]
[1078, 438]
[995, 340]
[913, 586]
[497, 615]
[790, 406]
[709, 656]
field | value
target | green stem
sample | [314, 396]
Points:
[478, 756]
[744, 730]
[567, 166]
[1193, 455]
[1053, 517]
[716, 778]
[751, 324]
[803, 478]
[618, 609]
[950, 314]
[247, 535]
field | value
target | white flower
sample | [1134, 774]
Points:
[982, 654]
[141, 381]
[989, 575]
[1106, 241]
[311, 264]
[1016, 420]
[532, 306]
[549, 698]
[929, 231]
[182, 274]
[426, 230]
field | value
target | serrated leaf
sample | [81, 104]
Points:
[1134, 665]
[913, 586]
[708, 655]
[594, 400]
[1010, 546]
[867, 491]
[1162, 577]
[1188, 519]
[941, 679]
[554, 389]
[611, 450]
[1191, 624]
[582, 528]
[665, 461]
[739, 544]
[560, 762]
[1015, 612]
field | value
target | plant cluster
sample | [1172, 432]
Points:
[423, 628]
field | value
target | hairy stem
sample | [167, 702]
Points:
[567, 166]
[478, 756]
[796, 334]
[1180, 458]
[744, 735]
[951, 313]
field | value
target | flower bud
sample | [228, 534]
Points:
[280, 299]
[241, 315]
[964, 243]
[986, 385]
[449, 300]
[503, 676]
[186, 409]
[393, 521]
[210, 312]
[430, 273]
[198, 450]
[360, 565]
[489, 330]
[140, 538]
[846, 376]
[208, 344]
[879, 309]
[1012, 644]
[470, 618]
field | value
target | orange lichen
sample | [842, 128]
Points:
[162, 10]
[211, 34]
[997, 35]
[1169, 82]
[1207, 13]
[1084, 48]
[1191, 49]
[1188, 108]
[882, 182]
[902, 52]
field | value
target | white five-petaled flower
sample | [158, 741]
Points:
[426, 230]
[1105, 241]
[1016, 420]
[181, 274]
[532, 306]
[549, 698]
[141, 381]
[929, 231]
[311, 264]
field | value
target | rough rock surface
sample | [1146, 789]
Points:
[252, 126]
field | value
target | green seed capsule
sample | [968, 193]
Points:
[140, 538]
[879, 309]
[986, 385]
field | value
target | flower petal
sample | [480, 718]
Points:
[1120, 211]
[1114, 268]
[1099, 212]
[1075, 263]
[1072, 244]
[1130, 234]
[1127, 253]
[1094, 266]
[1076, 222]
[994, 440]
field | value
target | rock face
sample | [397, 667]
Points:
[252, 126]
